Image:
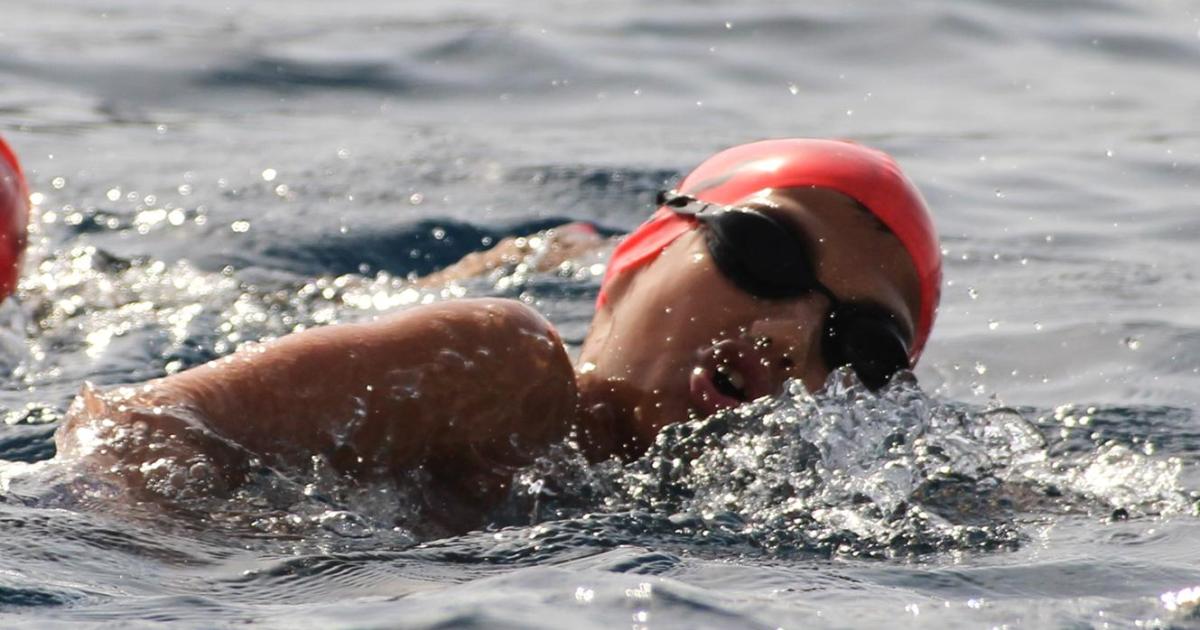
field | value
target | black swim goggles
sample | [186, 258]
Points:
[769, 260]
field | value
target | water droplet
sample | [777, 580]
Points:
[1108, 153]
[729, 26]
[972, 293]
[1133, 343]
[240, 226]
[999, 194]
[58, 183]
[269, 175]
[980, 368]
[793, 88]
[416, 198]
[993, 324]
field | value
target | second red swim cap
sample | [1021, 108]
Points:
[866, 175]
[14, 216]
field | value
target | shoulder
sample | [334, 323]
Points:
[494, 311]
[480, 321]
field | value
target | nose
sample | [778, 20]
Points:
[788, 335]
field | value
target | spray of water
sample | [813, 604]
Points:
[847, 471]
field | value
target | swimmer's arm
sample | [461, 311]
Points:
[466, 389]
[544, 251]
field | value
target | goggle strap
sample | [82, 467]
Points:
[686, 205]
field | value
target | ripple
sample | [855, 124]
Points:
[14, 597]
[288, 75]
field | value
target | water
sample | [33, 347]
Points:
[212, 175]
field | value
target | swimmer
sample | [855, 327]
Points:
[775, 260]
[14, 215]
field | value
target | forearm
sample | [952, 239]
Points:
[543, 251]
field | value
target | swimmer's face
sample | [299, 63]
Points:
[679, 338]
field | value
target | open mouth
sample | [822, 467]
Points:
[726, 375]
[730, 382]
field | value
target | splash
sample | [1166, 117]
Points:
[841, 472]
[847, 472]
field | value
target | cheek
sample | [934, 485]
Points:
[682, 296]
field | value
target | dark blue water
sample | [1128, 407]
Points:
[209, 175]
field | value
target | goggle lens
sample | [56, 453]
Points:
[869, 342]
[773, 269]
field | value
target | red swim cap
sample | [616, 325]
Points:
[14, 216]
[866, 175]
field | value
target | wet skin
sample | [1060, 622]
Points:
[469, 390]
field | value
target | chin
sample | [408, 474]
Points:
[659, 412]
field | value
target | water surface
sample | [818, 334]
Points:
[212, 175]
